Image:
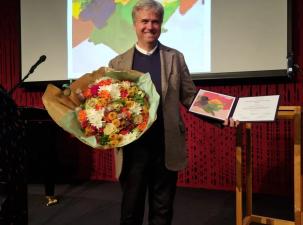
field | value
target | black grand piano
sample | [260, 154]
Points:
[27, 155]
[42, 157]
[42, 160]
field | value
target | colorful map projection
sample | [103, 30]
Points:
[102, 29]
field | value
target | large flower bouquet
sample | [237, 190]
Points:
[105, 108]
[114, 111]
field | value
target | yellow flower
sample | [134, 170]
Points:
[138, 119]
[145, 109]
[112, 115]
[132, 91]
[91, 103]
[110, 129]
[129, 104]
[116, 122]
[115, 139]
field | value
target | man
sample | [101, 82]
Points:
[151, 163]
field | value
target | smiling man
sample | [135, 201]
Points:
[147, 24]
[150, 164]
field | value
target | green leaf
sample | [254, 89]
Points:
[139, 99]
[104, 139]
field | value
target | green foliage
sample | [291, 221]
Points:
[119, 102]
[104, 139]
[139, 99]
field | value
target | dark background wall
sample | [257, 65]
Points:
[211, 150]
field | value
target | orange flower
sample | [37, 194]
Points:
[142, 126]
[104, 94]
[114, 139]
[104, 82]
[87, 93]
[112, 115]
[126, 112]
[82, 116]
[102, 102]
[114, 142]
[129, 104]
[116, 122]
[98, 106]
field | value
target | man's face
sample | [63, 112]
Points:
[148, 27]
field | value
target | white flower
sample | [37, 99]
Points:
[95, 117]
[115, 91]
[105, 88]
[135, 108]
[127, 138]
[91, 103]
[125, 84]
[141, 93]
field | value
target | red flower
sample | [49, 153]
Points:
[123, 93]
[94, 90]
[87, 93]
[124, 131]
[105, 82]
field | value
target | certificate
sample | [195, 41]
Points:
[249, 109]
[253, 109]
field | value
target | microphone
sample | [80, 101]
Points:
[40, 60]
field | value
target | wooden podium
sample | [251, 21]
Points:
[284, 112]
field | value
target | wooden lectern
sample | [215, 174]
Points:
[284, 112]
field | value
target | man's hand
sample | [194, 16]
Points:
[231, 123]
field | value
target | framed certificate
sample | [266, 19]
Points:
[247, 109]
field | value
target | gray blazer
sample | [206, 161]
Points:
[177, 87]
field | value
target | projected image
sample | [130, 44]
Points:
[101, 29]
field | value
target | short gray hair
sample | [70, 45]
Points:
[148, 4]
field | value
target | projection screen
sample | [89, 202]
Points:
[219, 39]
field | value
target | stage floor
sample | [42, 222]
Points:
[96, 203]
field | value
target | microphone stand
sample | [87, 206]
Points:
[20, 82]
[31, 70]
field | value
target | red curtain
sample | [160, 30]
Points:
[211, 150]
